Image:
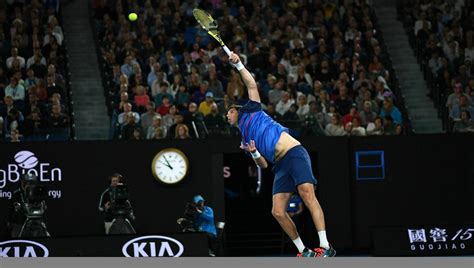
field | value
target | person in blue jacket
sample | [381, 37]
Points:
[204, 222]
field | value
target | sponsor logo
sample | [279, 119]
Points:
[438, 239]
[153, 246]
[27, 162]
[22, 248]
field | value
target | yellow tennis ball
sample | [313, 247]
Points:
[132, 16]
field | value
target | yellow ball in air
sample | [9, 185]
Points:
[132, 16]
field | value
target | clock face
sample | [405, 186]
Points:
[170, 166]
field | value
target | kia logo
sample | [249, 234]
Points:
[22, 248]
[153, 246]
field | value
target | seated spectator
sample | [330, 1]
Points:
[215, 86]
[55, 99]
[195, 121]
[214, 121]
[182, 98]
[13, 120]
[37, 58]
[375, 128]
[128, 129]
[235, 87]
[272, 113]
[224, 105]
[352, 113]
[453, 98]
[389, 109]
[291, 116]
[335, 128]
[7, 105]
[376, 66]
[141, 99]
[465, 124]
[178, 119]
[16, 91]
[182, 132]
[163, 92]
[137, 134]
[15, 136]
[343, 102]
[168, 119]
[303, 107]
[147, 117]
[124, 99]
[367, 115]
[165, 106]
[15, 56]
[30, 79]
[388, 125]
[57, 119]
[52, 88]
[201, 94]
[40, 91]
[284, 104]
[463, 105]
[127, 110]
[398, 130]
[34, 125]
[274, 94]
[357, 129]
[205, 106]
[127, 67]
[156, 130]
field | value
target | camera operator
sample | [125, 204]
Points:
[204, 222]
[26, 217]
[116, 207]
[17, 216]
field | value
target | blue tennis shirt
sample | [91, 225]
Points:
[255, 124]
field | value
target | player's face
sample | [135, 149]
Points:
[232, 116]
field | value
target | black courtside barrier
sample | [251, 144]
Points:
[155, 245]
[365, 184]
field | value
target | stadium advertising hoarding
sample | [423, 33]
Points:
[424, 240]
[162, 245]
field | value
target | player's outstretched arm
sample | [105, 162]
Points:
[246, 76]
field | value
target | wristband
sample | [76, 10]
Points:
[255, 154]
[239, 66]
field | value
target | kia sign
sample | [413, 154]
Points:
[156, 245]
[153, 246]
[22, 248]
[424, 240]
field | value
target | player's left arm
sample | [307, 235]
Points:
[252, 149]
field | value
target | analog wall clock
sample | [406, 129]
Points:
[170, 166]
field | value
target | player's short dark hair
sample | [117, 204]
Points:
[234, 106]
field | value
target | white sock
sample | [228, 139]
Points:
[323, 241]
[299, 244]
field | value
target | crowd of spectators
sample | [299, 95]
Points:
[33, 89]
[320, 67]
[442, 33]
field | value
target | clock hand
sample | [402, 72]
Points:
[168, 165]
[167, 162]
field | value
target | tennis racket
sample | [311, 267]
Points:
[210, 25]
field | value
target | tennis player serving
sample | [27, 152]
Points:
[292, 163]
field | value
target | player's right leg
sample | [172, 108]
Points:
[280, 204]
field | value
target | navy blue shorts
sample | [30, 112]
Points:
[292, 170]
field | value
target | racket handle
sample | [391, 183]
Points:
[226, 49]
